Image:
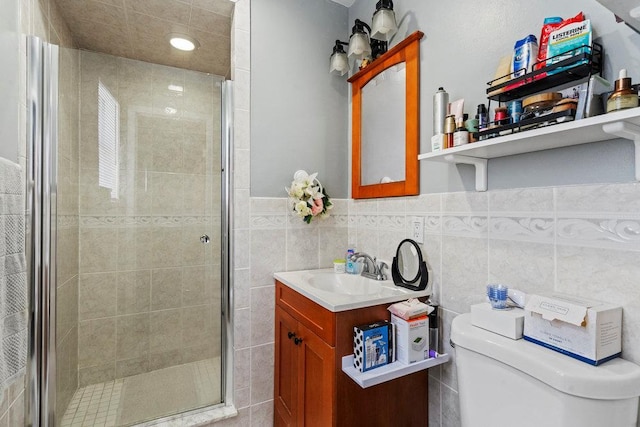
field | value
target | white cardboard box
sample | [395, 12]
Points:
[508, 323]
[587, 330]
[412, 339]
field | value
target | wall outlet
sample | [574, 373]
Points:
[417, 229]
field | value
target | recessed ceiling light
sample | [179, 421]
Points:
[183, 42]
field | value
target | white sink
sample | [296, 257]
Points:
[339, 292]
[347, 284]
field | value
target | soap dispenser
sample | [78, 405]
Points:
[624, 96]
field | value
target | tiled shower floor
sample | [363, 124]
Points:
[147, 396]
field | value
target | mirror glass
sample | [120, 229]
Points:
[383, 127]
[408, 261]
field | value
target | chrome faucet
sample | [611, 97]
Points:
[371, 268]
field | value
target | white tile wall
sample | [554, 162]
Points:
[583, 240]
[471, 239]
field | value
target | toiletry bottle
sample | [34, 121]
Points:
[483, 117]
[624, 96]
[514, 110]
[472, 127]
[351, 266]
[440, 107]
[501, 118]
[461, 134]
[449, 129]
[433, 329]
[525, 52]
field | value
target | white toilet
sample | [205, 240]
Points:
[506, 383]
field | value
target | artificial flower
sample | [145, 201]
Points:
[307, 196]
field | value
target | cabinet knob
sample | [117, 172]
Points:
[297, 340]
[291, 335]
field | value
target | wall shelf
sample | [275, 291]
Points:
[388, 372]
[620, 124]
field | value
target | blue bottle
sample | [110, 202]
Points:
[525, 52]
[351, 265]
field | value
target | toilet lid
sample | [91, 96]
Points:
[615, 379]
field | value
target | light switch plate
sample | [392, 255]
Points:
[417, 229]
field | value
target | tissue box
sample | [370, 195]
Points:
[410, 309]
[587, 330]
[372, 345]
[508, 323]
[412, 339]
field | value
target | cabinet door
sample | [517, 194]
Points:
[316, 383]
[286, 396]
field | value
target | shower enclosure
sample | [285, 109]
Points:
[129, 239]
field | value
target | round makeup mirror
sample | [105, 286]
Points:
[408, 268]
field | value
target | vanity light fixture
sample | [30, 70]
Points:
[365, 42]
[183, 42]
[378, 47]
[383, 24]
[339, 63]
[359, 46]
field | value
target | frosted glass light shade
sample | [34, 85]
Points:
[359, 46]
[339, 63]
[384, 25]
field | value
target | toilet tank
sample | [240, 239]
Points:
[505, 383]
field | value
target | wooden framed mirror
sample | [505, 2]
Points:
[385, 139]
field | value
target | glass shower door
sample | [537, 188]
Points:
[138, 301]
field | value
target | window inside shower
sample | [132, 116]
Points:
[108, 140]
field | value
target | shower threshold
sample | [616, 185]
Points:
[144, 397]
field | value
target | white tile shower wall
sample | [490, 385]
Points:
[241, 65]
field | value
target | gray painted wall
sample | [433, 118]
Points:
[298, 110]
[301, 114]
[460, 51]
[9, 87]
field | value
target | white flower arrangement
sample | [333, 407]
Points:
[307, 197]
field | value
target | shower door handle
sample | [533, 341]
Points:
[204, 239]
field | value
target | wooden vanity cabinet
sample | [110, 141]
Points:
[310, 388]
[303, 375]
